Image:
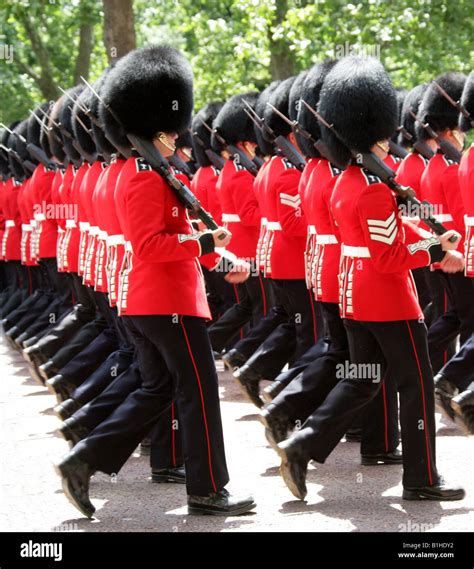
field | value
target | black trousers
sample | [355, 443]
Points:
[400, 349]
[460, 368]
[458, 320]
[220, 294]
[309, 389]
[290, 340]
[251, 306]
[175, 360]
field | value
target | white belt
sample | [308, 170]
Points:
[128, 246]
[94, 230]
[349, 251]
[33, 223]
[61, 230]
[311, 229]
[115, 240]
[39, 217]
[26, 227]
[442, 217]
[326, 239]
[84, 225]
[263, 221]
[70, 223]
[230, 217]
[103, 235]
[9, 223]
[274, 226]
[469, 221]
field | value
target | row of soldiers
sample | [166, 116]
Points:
[307, 263]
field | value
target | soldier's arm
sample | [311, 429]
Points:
[290, 213]
[384, 234]
[245, 202]
[151, 241]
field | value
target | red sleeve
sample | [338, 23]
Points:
[452, 195]
[245, 202]
[385, 236]
[290, 214]
[145, 207]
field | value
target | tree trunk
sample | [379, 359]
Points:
[119, 28]
[84, 55]
[282, 62]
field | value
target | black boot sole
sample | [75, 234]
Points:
[88, 513]
[198, 511]
[167, 479]
[443, 405]
[422, 496]
[253, 399]
[374, 461]
[292, 486]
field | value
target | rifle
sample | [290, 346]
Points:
[420, 147]
[283, 144]
[181, 165]
[378, 168]
[38, 153]
[153, 156]
[239, 156]
[456, 104]
[396, 149]
[35, 151]
[25, 165]
[446, 147]
[214, 158]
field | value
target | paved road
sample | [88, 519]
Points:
[342, 495]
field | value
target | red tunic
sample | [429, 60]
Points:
[161, 273]
[70, 215]
[2, 216]
[11, 244]
[86, 193]
[75, 231]
[466, 183]
[287, 227]
[324, 263]
[26, 227]
[240, 211]
[410, 171]
[378, 250]
[46, 227]
[393, 162]
[307, 195]
[258, 189]
[203, 186]
[440, 186]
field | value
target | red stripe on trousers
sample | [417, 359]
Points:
[173, 441]
[385, 415]
[424, 405]
[263, 294]
[315, 326]
[202, 404]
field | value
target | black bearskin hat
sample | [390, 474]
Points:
[104, 147]
[206, 114]
[411, 103]
[295, 95]
[265, 147]
[34, 128]
[233, 123]
[435, 109]
[66, 120]
[150, 90]
[19, 146]
[83, 137]
[467, 100]
[310, 93]
[184, 140]
[359, 99]
[54, 134]
[279, 99]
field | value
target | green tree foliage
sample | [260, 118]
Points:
[238, 45]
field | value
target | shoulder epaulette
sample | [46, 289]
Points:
[371, 178]
[142, 165]
[288, 164]
[335, 171]
[238, 166]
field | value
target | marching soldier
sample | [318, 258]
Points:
[378, 250]
[167, 322]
